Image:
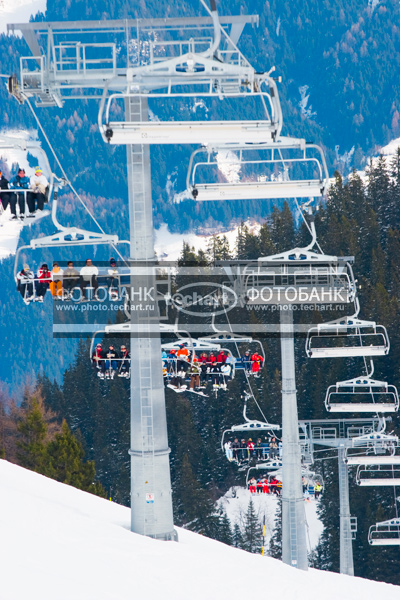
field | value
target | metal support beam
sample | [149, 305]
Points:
[294, 544]
[346, 545]
[151, 495]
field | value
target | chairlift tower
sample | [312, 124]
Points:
[343, 435]
[285, 280]
[61, 68]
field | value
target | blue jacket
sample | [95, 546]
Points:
[20, 182]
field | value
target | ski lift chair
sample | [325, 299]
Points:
[347, 337]
[370, 476]
[116, 329]
[362, 395]
[207, 71]
[250, 426]
[65, 237]
[273, 466]
[228, 337]
[284, 153]
[8, 143]
[385, 533]
[310, 277]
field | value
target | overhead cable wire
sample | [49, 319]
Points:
[68, 180]
[245, 372]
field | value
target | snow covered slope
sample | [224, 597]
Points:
[58, 543]
[19, 11]
[168, 245]
[236, 502]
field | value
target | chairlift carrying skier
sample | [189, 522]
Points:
[25, 279]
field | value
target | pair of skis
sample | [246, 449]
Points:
[185, 389]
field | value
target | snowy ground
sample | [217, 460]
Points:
[236, 501]
[60, 543]
[168, 245]
[19, 11]
[9, 234]
[388, 152]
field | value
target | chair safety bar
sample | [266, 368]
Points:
[379, 476]
[347, 337]
[362, 394]
[265, 185]
[385, 533]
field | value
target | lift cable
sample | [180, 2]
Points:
[246, 375]
[68, 181]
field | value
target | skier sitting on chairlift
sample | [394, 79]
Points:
[70, 279]
[125, 368]
[245, 360]
[56, 287]
[98, 360]
[19, 182]
[178, 381]
[25, 279]
[212, 359]
[250, 448]
[226, 371]
[112, 280]
[183, 358]
[111, 362]
[216, 375]
[88, 277]
[43, 282]
[221, 358]
[317, 490]
[38, 186]
[204, 370]
[3, 186]
[273, 448]
[235, 446]
[257, 361]
[259, 449]
[194, 373]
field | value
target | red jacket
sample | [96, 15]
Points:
[44, 276]
[257, 361]
[221, 358]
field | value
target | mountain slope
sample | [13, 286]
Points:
[59, 542]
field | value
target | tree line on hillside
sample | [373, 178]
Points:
[32, 436]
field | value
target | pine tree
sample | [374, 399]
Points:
[241, 241]
[218, 248]
[64, 462]
[266, 244]
[275, 543]
[225, 536]
[36, 425]
[237, 537]
[282, 228]
[252, 532]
